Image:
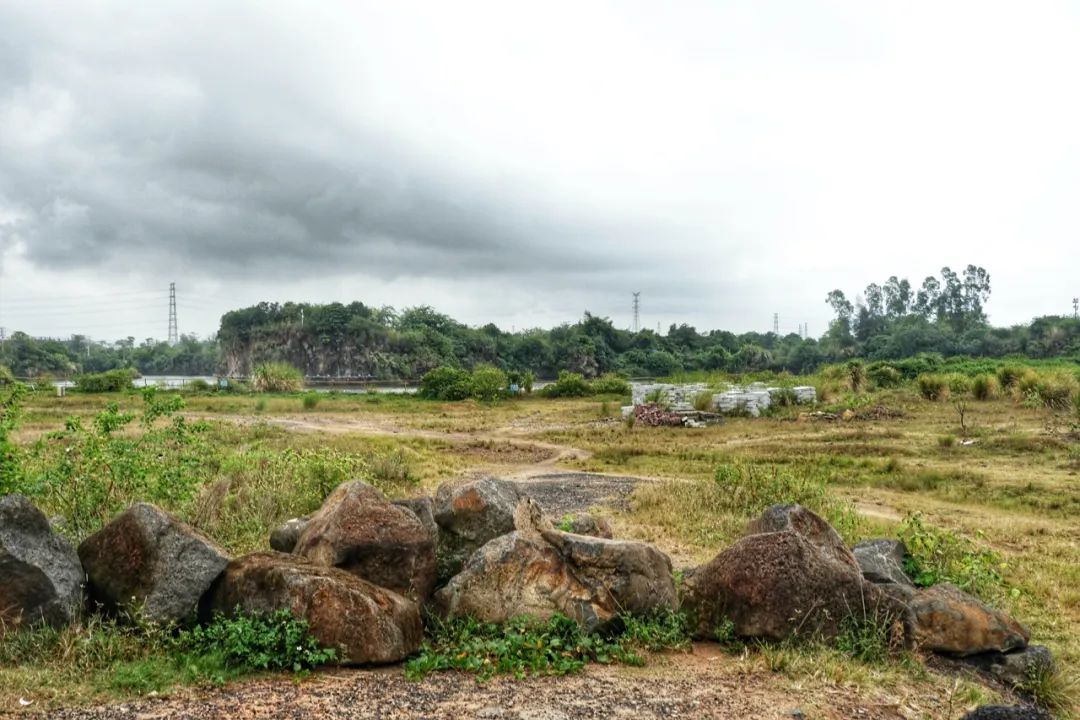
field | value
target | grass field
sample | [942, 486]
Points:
[1003, 486]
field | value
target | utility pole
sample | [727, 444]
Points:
[173, 336]
[637, 311]
[776, 323]
[301, 317]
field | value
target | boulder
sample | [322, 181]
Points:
[358, 530]
[882, 561]
[539, 571]
[424, 509]
[586, 524]
[284, 537]
[42, 579]
[776, 585]
[948, 620]
[470, 515]
[146, 559]
[1008, 712]
[364, 622]
[795, 518]
[1015, 667]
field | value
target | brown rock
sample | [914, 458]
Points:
[148, 560]
[796, 518]
[284, 536]
[586, 524]
[366, 623]
[949, 620]
[358, 530]
[776, 585]
[468, 516]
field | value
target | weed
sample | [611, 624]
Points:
[936, 555]
[933, 387]
[1051, 688]
[947, 441]
[274, 641]
[260, 405]
[663, 630]
[519, 647]
[984, 387]
[310, 400]
[276, 377]
[868, 639]
[703, 402]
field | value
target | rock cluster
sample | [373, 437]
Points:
[362, 570]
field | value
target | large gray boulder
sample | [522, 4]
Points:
[470, 515]
[948, 620]
[364, 622]
[424, 509]
[357, 529]
[147, 560]
[1016, 667]
[41, 579]
[539, 571]
[882, 561]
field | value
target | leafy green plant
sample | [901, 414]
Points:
[276, 377]
[936, 555]
[959, 384]
[488, 383]
[568, 384]
[108, 381]
[11, 398]
[445, 383]
[519, 647]
[662, 630]
[610, 384]
[866, 639]
[274, 641]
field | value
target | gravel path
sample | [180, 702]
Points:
[681, 686]
[560, 493]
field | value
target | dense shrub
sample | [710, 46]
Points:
[445, 383]
[984, 387]
[108, 381]
[610, 384]
[276, 377]
[932, 386]
[6, 377]
[568, 384]
[1008, 376]
[959, 384]
[199, 385]
[884, 375]
[488, 383]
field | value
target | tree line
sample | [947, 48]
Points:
[945, 315]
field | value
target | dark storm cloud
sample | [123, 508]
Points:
[168, 158]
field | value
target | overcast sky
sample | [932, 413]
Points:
[524, 162]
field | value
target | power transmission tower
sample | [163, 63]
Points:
[1076, 314]
[173, 336]
[637, 311]
[776, 323]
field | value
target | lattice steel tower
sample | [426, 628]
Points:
[637, 311]
[173, 336]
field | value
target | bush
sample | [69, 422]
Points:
[936, 556]
[933, 387]
[310, 400]
[1008, 376]
[1053, 390]
[959, 384]
[199, 385]
[568, 384]
[275, 641]
[984, 387]
[610, 384]
[488, 383]
[884, 375]
[445, 383]
[276, 377]
[109, 381]
[6, 377]
[856, 373]
[521, 646]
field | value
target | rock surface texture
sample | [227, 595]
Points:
[796, 518]
[539, 571]
[948, 620]
[366, 623]
[357, 529]
[1007, 712]
[41, 579]
[882, 561]
[147, 559]
[284, 536]
[470, 515]
[1015, 667]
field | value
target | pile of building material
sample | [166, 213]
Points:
[752, 399]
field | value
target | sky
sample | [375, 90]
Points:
[522, 163]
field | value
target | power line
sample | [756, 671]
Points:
[173, 335]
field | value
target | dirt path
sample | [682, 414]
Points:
[702, 684]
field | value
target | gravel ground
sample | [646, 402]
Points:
[682, 686]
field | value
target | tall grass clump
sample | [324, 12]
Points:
[933, 386]
[1008, 376]
[884, 375]
[276, 377]
[1054, 390]
[984, 387]
[959, 384]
